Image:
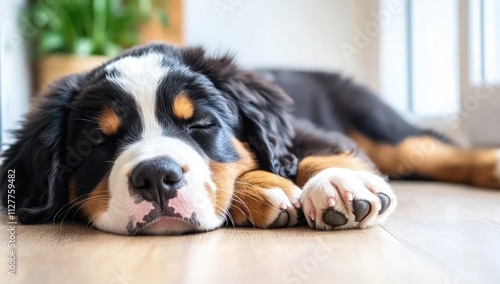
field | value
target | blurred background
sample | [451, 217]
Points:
[435, 62]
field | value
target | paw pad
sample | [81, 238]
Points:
[339, 198]
[334, 218]
[282, 220]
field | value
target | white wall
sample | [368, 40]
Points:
[15, 81]
[301, 34]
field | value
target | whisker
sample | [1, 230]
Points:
[69, 206]
[79, 206]
[91, 215]
[240, 201]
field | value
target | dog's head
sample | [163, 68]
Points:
[151, 142]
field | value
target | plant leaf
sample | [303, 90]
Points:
[50, 42]
[90, 26]
[83, 46]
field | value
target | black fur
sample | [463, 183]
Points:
[264, 110]
[310, 140]
[36, 156]
[335, 103]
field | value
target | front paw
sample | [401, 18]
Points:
[339, 198]
[265, 200]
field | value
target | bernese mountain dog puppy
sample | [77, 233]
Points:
[167, 140]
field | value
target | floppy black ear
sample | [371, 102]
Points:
[263, 108]
[35, 157]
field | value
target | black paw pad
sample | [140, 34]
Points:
[334, 218]
[360, 208]
[385, 200]
[281, 221]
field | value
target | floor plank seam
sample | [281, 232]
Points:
[445, 269]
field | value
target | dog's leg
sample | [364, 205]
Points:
[341, 187]
[265, 200]
[342, 191]
[398, 148]
[427, 157]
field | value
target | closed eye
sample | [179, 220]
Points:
[201, 125]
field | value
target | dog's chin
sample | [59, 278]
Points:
[167, 226]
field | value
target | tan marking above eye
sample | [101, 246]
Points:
[109, 122]
[183, 107]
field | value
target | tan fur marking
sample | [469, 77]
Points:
[429, 157]
[109, 122]
[183, 107]
[97, 201]
[224, 175]
[250, 201]
[310, 166]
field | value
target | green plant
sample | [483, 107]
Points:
[85, 27]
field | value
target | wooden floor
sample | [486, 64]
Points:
[439, 234]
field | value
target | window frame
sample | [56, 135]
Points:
[480, 99]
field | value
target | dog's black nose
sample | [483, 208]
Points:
[157, 180]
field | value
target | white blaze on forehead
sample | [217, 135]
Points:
[140, 76]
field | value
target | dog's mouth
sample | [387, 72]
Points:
[165, 225]
[163, 222]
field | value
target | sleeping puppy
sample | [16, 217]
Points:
[165, 140]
